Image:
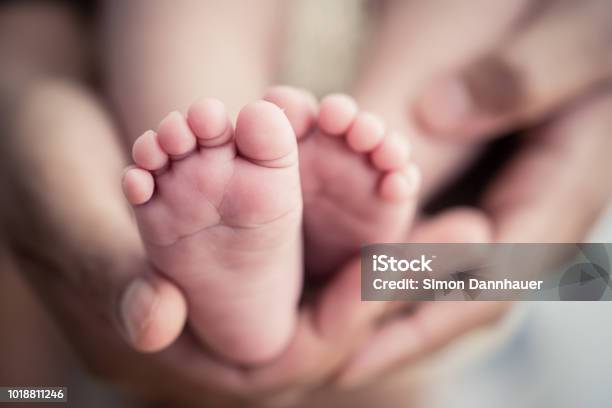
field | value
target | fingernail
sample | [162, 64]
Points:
[446, 105]
[136, 308]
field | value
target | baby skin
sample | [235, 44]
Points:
[358, 184]
[220, 209]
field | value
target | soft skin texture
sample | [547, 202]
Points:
[358, 183]
[220, 213]
[203, 198]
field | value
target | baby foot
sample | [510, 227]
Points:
[219, 211]
[358, 184]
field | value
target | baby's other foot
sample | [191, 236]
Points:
[358, 185]
[220, 213]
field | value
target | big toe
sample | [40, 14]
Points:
[265, 136]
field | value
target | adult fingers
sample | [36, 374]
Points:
[553, 58]
[418, 39]
[430, 324]
[455, 225]
[558, 184]
[64, 214]
[430, 327]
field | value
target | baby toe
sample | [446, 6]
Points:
[336, 113]
[175, 136]
[147, 152]
[210, 123]
[264, 135]
[138, 185]
[366, 133]
[400, 185]
[391, 154]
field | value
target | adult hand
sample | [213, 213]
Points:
[550, 68]
[547, 56]
[404, 338]
[545, 71]
[552, 192]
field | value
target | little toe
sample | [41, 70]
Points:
[299, 106]
[265, 136]
[391, 154]
[175, 136]
[366, 133]
[336, 113]
[210, 122]
[138, 185]
[400, 185]
[147, 152]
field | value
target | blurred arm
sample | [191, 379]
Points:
[161, 55]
